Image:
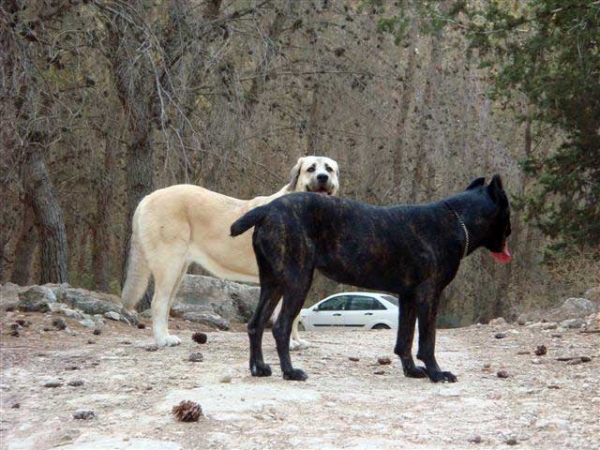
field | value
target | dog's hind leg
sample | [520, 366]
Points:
[427, 313]
[295, 342]
[269, 295]
[166, 281]
[293, 299]
[406, 332]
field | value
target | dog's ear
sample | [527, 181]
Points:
[477, 182]
[295, 174]
[496, 191]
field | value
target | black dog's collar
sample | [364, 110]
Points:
[464, 227]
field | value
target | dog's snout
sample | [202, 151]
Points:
[322, 177]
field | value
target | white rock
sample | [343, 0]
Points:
[112, 315]
[498, 321]
[572, 323]
[88, 323]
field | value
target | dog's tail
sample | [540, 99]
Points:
[250, 219]
[138, 272]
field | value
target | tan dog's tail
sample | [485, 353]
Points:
[138, 272]
[251, 218]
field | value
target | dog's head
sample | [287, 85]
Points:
[315, 174]
[500, 227]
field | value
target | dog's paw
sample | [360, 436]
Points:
[169, 340]
[263, 370]
[295, 375]
[436, 377]
[415, 372]
[297, 345]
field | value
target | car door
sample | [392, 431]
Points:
[361, 310]
[329, 313]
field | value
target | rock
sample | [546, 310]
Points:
[210, 319]
[88, 302]
[112, 315]
[354, 359]
[151, 348]
[500, 335]
[225, 379]
[573, 308]
[573, 323]
[196, 357]
[84, 414]
[476, 439]
[384, 361]
[75, 383]
[593, 294]
[229, 300]
[512, 441]
[88, 323]
[487, 367]
[593, 321]
[53, 384]
[36, 299]
[71, 313]
[498, 321]
[97, 332]
[503, 374]
[9, 296]
[541, 350]
[522, 319]
[549, 326]
[98, 319]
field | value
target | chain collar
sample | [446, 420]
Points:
[464, 227]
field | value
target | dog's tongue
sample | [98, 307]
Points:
[503, 256]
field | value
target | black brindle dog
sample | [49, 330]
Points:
[413, 251]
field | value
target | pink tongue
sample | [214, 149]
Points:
[503, 256]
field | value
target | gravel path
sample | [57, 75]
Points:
[345, 404]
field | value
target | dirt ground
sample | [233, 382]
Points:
[345, 404]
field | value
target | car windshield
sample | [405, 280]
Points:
[392, 300]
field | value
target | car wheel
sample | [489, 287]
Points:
[380, 326]
[301, 327]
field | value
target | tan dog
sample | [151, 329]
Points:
[178, 225]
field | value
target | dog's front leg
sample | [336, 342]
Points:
[406, 332]
[427, 312]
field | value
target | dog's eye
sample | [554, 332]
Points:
[310, 169]
[329, 169]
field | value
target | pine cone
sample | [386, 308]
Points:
[187, 411]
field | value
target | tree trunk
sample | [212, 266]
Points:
[101, 227]
[25, 249]
[49, 220]
[406, 99]
[422, 182]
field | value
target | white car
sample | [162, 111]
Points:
[352, 310]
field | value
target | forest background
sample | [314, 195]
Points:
[103, 101]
